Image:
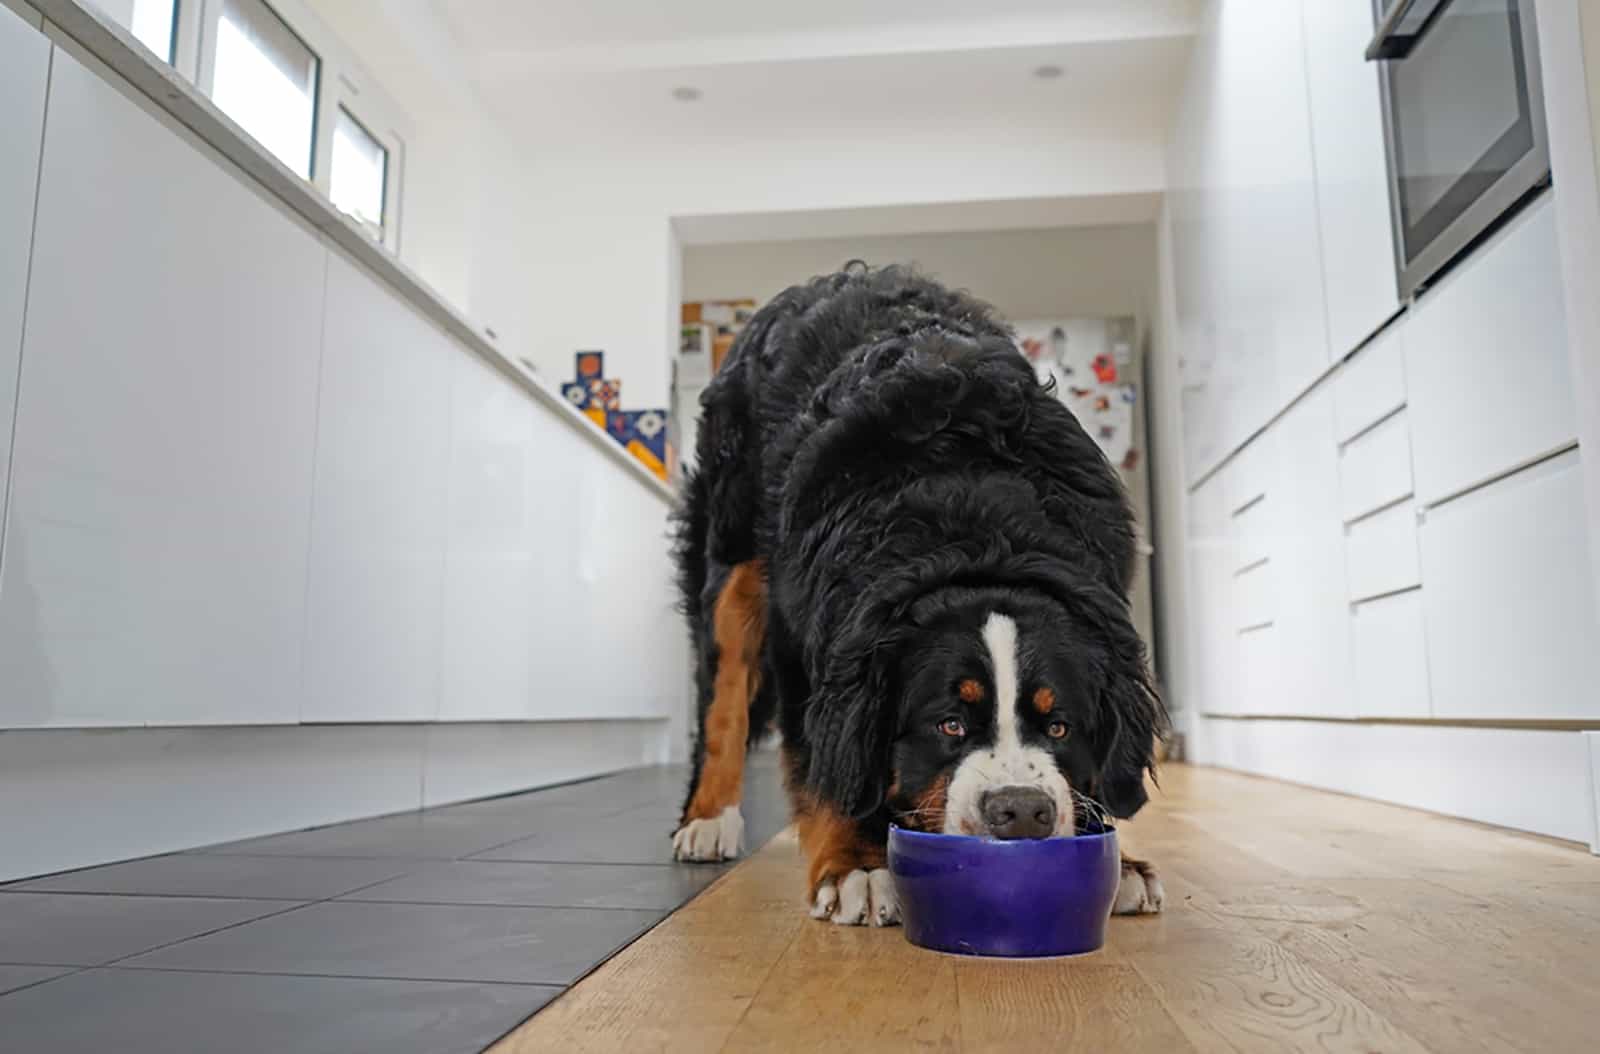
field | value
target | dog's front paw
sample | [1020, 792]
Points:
[1140, 892]
[719, 838]
[860, 898]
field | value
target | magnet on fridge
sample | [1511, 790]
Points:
[1130, 460]
[1130, 394]
[1108, 432]
[1102, 404]
[1105, 369]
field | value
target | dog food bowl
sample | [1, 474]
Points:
[1021, 899]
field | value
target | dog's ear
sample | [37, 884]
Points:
[849, 723]
[1131, 714]
[1134, 715]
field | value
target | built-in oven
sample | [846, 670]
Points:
[1464, 118]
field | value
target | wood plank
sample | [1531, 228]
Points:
[1092, 1004]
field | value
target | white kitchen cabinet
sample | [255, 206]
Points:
[378, 522]
[1370, 385]
[1488, 383]
[1213, 653]
[1246, 257]
[155, 555]
[1508, 597]
[1255, 600]
[24, 67]
[1262, 673]
[1381, 552]
[1311, 613]
[1375, 468]
[1358, 272]
[491, 549]
[1391, 663]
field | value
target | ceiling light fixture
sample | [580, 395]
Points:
[1048, 73]
[686, 93]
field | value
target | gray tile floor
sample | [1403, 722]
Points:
[429, 932]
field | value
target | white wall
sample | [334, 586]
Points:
[599, 214]
[1077, 272]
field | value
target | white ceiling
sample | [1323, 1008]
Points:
[945, 218]
[581, 68]
[555, 26]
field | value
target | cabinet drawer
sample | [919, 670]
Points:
[1381, 552]
[1370, 386]
[1488, 385]
[1244, 479]
[1375, 468]
[1391, 657]
[1509, 599]
[1253, 599]
[1258, 671]
[1250, 534]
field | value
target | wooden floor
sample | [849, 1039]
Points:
[1295, 920]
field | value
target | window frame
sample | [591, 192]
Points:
[205, 80]
[342, 83]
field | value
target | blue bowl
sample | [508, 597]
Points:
[1021, 899]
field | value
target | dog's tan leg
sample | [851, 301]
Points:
[1140, 892]
[712, 828]
[846, 880]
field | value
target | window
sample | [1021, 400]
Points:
[155, 24]
[359, 172]
[265, 78]
[293, 87]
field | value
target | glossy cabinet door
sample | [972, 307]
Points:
[1488, 380]
[378, 523]
[1358, 270]
[1213, 653]
[24, 67]
[1508, 599]
[1247, 263]
[1313, 613]
[558, 590]
[154, 565]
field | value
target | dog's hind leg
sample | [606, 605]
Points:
[712, 827]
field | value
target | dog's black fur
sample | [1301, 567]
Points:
[881, 444]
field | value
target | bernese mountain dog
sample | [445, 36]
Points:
[900, 544]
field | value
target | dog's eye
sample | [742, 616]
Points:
[1056, 730]
[953, 726]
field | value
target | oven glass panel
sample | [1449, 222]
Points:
[1460, 115]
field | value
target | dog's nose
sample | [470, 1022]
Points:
[1018, 812]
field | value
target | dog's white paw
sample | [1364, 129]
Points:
[719, 838]
[1140, 892]
[861, 898]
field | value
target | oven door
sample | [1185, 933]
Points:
[1464, 118]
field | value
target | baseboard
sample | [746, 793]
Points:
[1529, 779]
[75, 798]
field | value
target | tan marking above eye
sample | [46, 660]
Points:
[970, 691]
[1044, 700]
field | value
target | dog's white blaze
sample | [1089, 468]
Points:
[1000, 636]
[1009, 763]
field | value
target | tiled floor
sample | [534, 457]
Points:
[430, 932]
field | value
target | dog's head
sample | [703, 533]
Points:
[997, 712]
